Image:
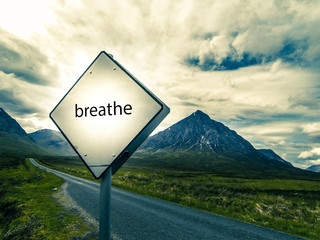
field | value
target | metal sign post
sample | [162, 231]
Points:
[105, 206]
[105, 117]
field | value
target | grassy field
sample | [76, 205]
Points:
[30, 204]
[287, 205]
[291, 206]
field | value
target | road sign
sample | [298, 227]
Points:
[107, 114]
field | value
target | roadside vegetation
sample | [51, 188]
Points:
[30, 207]
[291, 206]
[287, 205]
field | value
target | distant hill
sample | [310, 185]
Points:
[314, 168]
[15, 141]
[53, 141]
[272, 155]
[199, 143]
[13, 138]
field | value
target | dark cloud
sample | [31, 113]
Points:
[227, 63]
[299, 146]
[24, 60]
[190, 104]
[291, 51]
[315, 138]
[312, 103]
[254, 116]
[285, 116]
[11, 103]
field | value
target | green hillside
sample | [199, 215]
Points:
[229, 164]
[12, 144]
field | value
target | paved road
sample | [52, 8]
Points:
[136, 217]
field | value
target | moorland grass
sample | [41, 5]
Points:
[291, 206]
[28, 209]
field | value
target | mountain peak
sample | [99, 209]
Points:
[201, 115]
[199, 132]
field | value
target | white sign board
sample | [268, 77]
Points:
[107, 114]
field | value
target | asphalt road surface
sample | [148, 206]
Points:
[137, 217]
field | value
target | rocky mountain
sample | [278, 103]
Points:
[13, 138]
[53, 141]
[314, 168]
[199, 132]
[200, 143]
[272, 155]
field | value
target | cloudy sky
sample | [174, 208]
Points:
[252, 65]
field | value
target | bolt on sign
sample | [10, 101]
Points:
[107, 114]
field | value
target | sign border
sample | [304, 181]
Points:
[138, 139]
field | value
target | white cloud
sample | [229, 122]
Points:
[217, 47]
[271, 129]
[311, 127]
[314, 162]
[312, 130]
[264, 31]
[309, 154]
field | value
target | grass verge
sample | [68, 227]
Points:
[29, 206]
